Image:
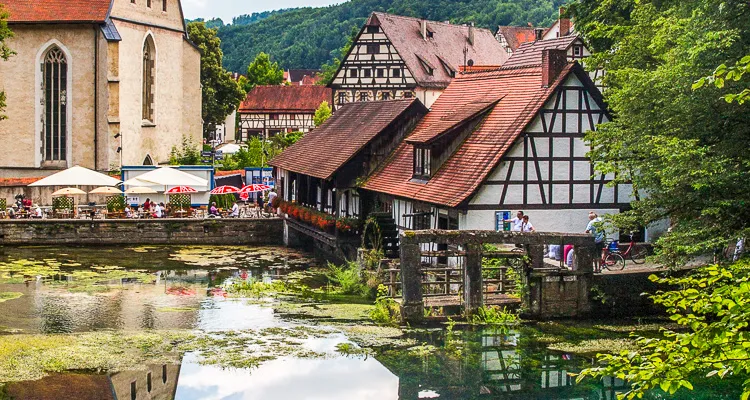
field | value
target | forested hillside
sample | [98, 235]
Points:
[310, 37]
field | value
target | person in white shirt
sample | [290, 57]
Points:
[235, 210]
[516, 222]
[526, 225]
[158, 213]
[38, 212]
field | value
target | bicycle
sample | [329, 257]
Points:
[611, 259]
[636, 254]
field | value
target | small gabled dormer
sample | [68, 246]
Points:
[422, 163]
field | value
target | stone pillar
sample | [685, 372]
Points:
[584, 258]
[473, 279]
[412, 306]
[536, 253]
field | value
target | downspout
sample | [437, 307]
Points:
[96, 98]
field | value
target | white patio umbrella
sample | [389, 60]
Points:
[69, 192]
[166, 176]
[106, 190]
[77, 176]
[140, 190]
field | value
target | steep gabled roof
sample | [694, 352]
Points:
[521, 95]
[515, 36]
[323, 151]
[531, 53]
[445, 47]
[281, 99]
[297, 75]
[57, 11]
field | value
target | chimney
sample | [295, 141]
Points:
[553, 62]
[471, 34]
[423, 29]
[538, 33]
[564, 23]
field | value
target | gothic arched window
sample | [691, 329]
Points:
[55, 90]
[149, 78]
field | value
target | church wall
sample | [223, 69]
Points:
[178, 94]
[18, 78]
[139, 11]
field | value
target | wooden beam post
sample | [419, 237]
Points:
[473, 279]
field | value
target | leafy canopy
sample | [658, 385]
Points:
[683, 150]
[322, 114]
[221, 94]
[258, 152]
[262, 72]
[5, 51]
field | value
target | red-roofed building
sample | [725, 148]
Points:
[97, 83]
[269, 110]
[512, 37]
[396, 57]
[504, 140]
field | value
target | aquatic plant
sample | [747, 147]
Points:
[5, 296]
[493, 315]
[348, 279]
[387, 311]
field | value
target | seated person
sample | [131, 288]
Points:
[213, 210]
[38, 212]
[158, 210]
[128, 212]
[235, 210]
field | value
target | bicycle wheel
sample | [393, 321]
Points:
[638, 254]
[614, 262]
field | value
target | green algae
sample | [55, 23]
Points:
[94, 279]
[595, 346]
[333, 312]
[177, 309]
[5, 296]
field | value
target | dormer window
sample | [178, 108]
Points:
[430, 34]
[577, 51]
[422, 168]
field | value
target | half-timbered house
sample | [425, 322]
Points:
[396, 57]
[509, 139]
[322, 169]
[512, 37]
[269, 110]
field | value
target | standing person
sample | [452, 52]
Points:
[596, 229]
[147, 205]
[516, 222]
[260, 201]
[526, 226]
[235, 210]
[158, 212]
[271, 197]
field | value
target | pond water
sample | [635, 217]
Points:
[100, 302]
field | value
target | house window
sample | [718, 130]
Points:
[373, 49]
[421, 163]
[408, 95]
[396, 73]
[164, 5]
[133, 390]
[132, 1]
[149, 78]
[381, 73]
[55, 89]
[430, 34]
[291, 117]
[352, 73]
[273, 117]
[385, 96]
[164, 373]
[366, 73]
[421, 217]
[364, 96]
[148, 382]
[372, 29]
[148, 3]
[342, 98]
[577, 51]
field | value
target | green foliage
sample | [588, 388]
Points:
[62, 203]
[711, 307]
[5, 51]
[116, 204]
[683, 150]
[187, 154]
[262, 72]
[221, 94]
[259, 152]
[386, 311]
[493, 315]
[224, 201]
[348, 279]
[734, 73]
[180, 201]
[322, 113]
[310, 37]
[329, 69]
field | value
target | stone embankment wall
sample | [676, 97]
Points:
[142, 232]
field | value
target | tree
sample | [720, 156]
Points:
[262, 72]
[330, 69]
[5, 51]
[221, 94]
[322, 114]
[683, 146]
[186, 154]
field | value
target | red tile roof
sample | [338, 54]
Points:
[9, 182]
[323, 151]
[65, 11]
[219, 174]
[515, 36]
[531, 53]
[521, 96]
[280, 99]
[445, 47]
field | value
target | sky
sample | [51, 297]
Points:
[227, 9]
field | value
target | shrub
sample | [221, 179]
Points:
[386, 311]
[348, 278]
[493, 315]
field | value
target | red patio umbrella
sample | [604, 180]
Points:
[226, 189]
[255, 188]
[181, 190]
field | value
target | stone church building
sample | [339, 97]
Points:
[97, 83]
